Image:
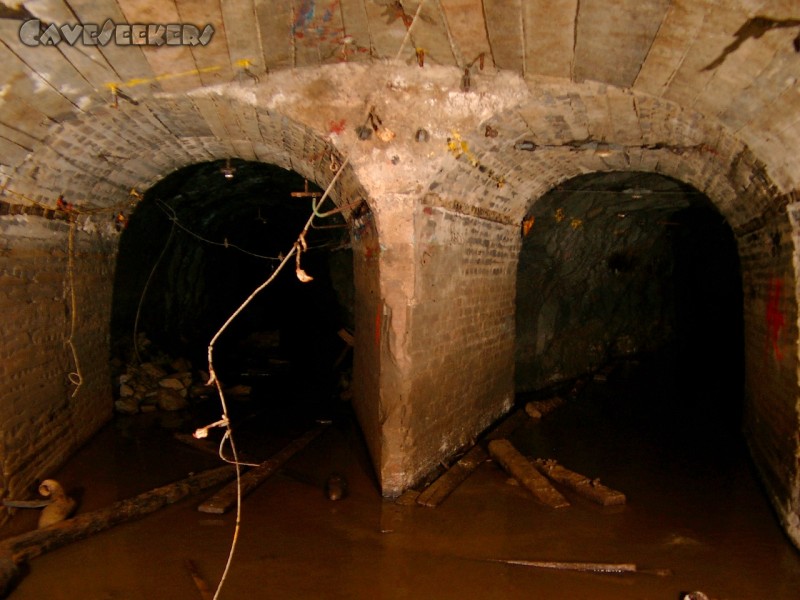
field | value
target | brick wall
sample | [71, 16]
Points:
[768, 271]
[483, 183]
[369, 318]
[42, 417]
[461, 326]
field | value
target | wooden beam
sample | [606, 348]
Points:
[588, 488]
[456, 474]
[584, 567]
[21, 548]
[225, 499]
[521, 469]
[440, 489]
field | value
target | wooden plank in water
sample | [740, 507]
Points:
[225, 499]
[588, 488]
[590, 567]
[440, 489]
[24, 547]
[521, 468]
[507, 426]
[445, 484]
[536, 409]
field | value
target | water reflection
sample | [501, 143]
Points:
[694, 507]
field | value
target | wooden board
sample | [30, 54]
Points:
[446, 483]
[440, 489]
[588, 488]
[225, 499]
[521, 468]
[536, 409]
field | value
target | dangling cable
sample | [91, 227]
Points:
[297, 247]
[172, 216]
[144, 292]
[75, 376]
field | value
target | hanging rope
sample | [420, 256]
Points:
[144, 293]
[173, 216]
[297, 248]
[75, 377]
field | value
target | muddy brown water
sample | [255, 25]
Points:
[695, 507]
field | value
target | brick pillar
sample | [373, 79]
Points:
[435, 333]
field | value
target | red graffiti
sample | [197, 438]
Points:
[775, 318]
[337, 126]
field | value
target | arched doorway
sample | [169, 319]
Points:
[619, 264]
[630, 307]
[198, 244]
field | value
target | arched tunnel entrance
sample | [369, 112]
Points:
[635, 276]
[619, 264]
[197, 245]
[630, 311]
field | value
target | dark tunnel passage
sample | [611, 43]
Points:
[635, 269]
[632, 271]
[198, 245]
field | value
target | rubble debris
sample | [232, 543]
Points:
[155, 387]
[127, 406]
[166, 384]
[171, 383]
[226, 498]
[142, 380]
[521, 468]
[171, 400]
[588, 488]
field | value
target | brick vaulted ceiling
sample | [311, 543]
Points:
[478, 108]
[727, 68]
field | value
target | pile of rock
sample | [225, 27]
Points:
[152, 386]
